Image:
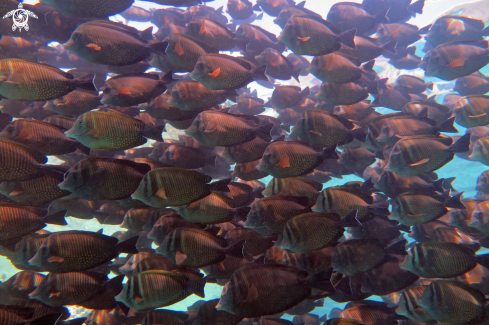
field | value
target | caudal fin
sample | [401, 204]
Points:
[128, 246]
[263, 131]
[348, 38]
[85, 82]
[258, 73]
[220, 186]
[235, 249]
[390, 47]
[329, 153]
[57, 218]
[447, 126]
[454, 202]
[462, 144]
[197, 287]
[159, 48]
[154, 133]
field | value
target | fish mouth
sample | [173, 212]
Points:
[68, 44]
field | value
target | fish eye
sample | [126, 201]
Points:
[80, 122]
[76, 36]
[106, 90]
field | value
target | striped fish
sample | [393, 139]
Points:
[25, 80]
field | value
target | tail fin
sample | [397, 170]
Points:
[231, 94]
[381, 208]
[390, 46]
[438, 185]
[295, 74]
[351, 220]
[263, 131]
[306, 92]
[159, 48]
[167, 78]
[424, 30]
[258, 73]
[235, 249]
[430, 85]
[115, 284]
[241, 213]
[447, 126]
[128, 246]
[220, 186]
[447, 184]
[329, 153]
[359, 134]
[348, 38]
[154, 133]
[147, 34]
[369, 65]
[417, 7]
[45, 320]
[197, 287]
[381, 16]
[482, 260]
[462, 144]
[85, 82]
[57, 218]
[397, 247]
[454, 202]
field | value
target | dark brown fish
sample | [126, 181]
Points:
[70, 251]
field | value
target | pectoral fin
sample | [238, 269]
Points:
[54, 294]
[457, 63]
[252, 294]
[318, 134]
[57, 259]
[180, 257]
[216, 73]
[124, 91]
[161, 193]
[284, 162]
[179, 50]
[303, 39]
[94, 47]
[477, 116]
[211, 126]
[419, 163]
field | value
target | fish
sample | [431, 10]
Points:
[111, 131]
[470, 111]
[251, 284]
[355, 256]
[306, 35]
[273, 7]
[90, 9]
[278, 66]
[338, 68]
[197, 248]
[473, 84]
[100, 174]
[348, 16]
[412, 208]
[248, 171]
[158, 187]
[221, 72]
[38, 191]
[250, 105]
[87, 289]
[409, 304]
[212, 33]
[314, 230]
[321, 128]
[105, 42]
[430, 155]
[451, 28]
[412, 84]
[144, 290]
[269, 215]
[465, 57]
[342, 94]
[288, 96]
[25, 80]
[440, 306]
[214, 128]
[57, 255]
[191, 95]
[77, 102]
[293, 158]
[425, 259]
[134, 89]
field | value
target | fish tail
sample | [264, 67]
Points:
[447, 126]
[263, 131]
[390, 46]
[235, 249]
[482, 260]
[197, 287]
[295, 74]
[85, 82]
[114, 284]
[241, 213]
[154, 133]
[220, 186]
[417, 7]
[158, 48]
[462, 144]
[231, 94]
[167, 78]
[258, 73]
[381, 16]
[57, 218]
[348, 38]
[454, 202]
[128, 246]
[381, 208]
